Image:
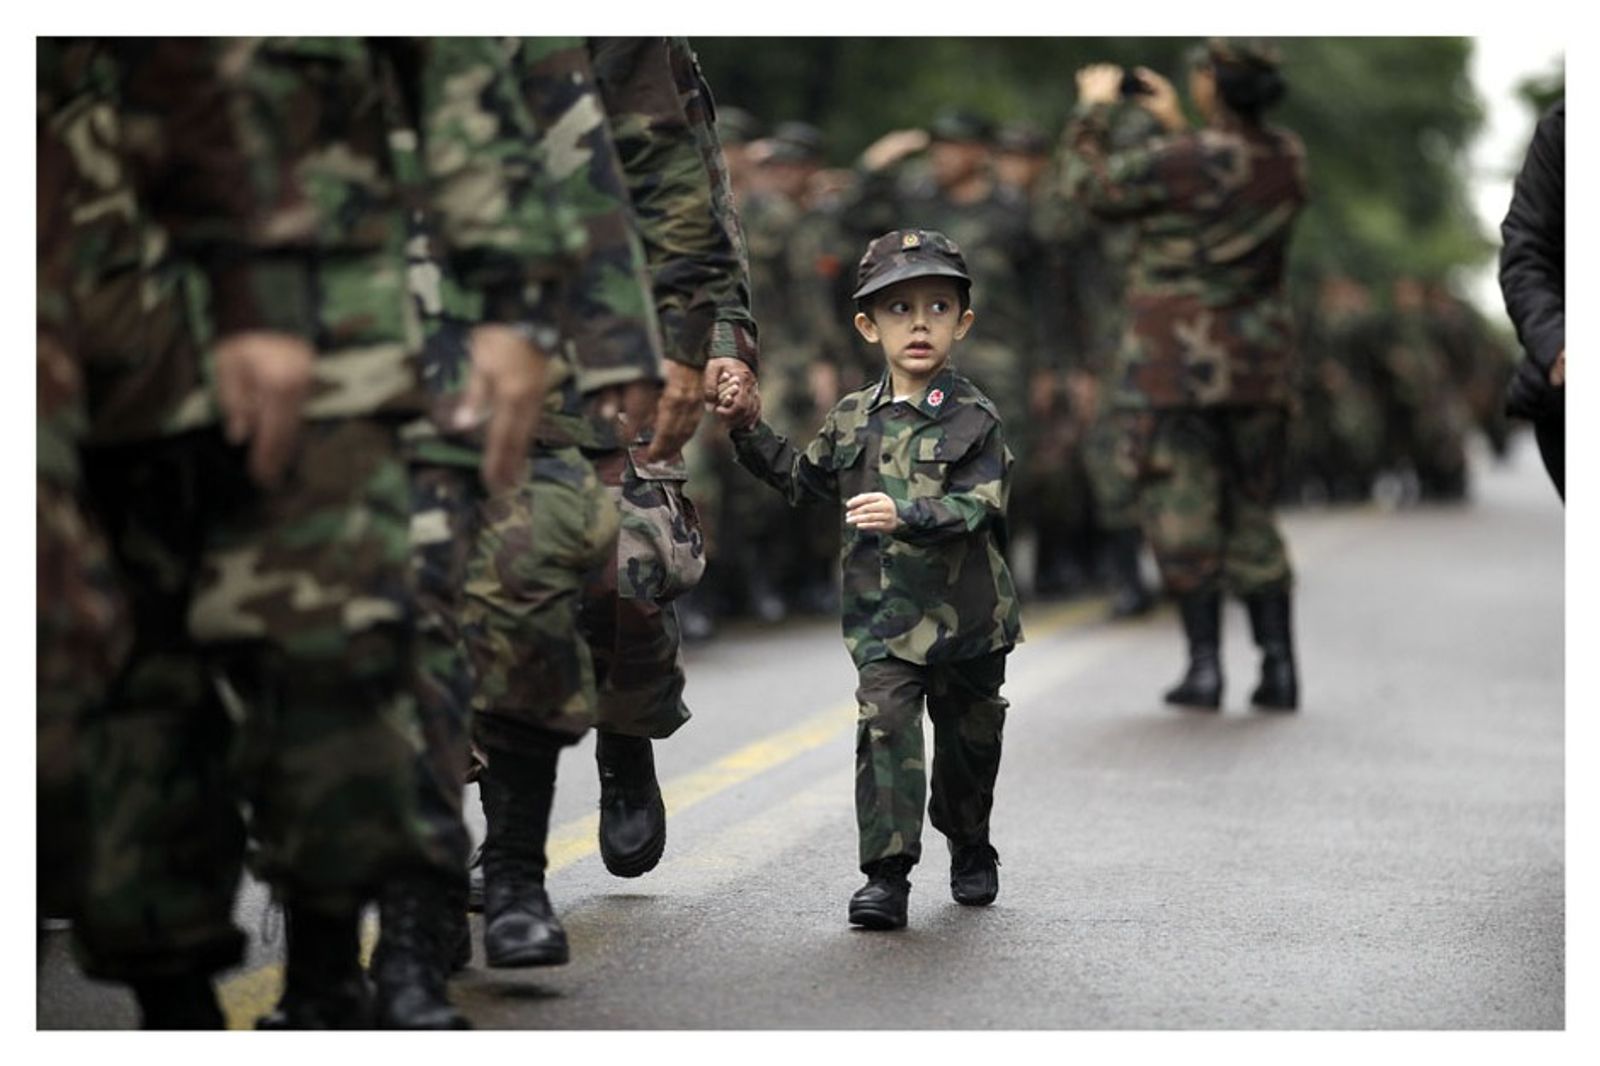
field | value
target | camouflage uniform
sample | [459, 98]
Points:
[1336, 439]
[296, 600]
[1205, 359]
[927, 611]
[1204, 371]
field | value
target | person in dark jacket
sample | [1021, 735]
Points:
[1533, 277]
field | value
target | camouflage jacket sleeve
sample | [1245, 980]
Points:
[661, 115]
[1133, 181]
[608, 310]
[974, 496]
[800, 476]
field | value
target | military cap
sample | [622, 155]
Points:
[1023, 138]
[905, 254]
[735, 125]
[961, 126]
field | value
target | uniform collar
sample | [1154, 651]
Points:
[935, 398]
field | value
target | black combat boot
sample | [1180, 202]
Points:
[881, 902]
[519, 927]
[633, 820]
[1269, 623]
[974, 877]
[1201, 687]
[413, 957]
[1129, 597]
[186, 1001]
[457, 933]
[324, 986]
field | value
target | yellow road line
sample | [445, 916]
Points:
[253, 993]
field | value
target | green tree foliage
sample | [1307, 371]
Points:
[1386, 121]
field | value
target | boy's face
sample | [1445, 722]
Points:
[917, 322]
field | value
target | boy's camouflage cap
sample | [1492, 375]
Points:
[908, 253]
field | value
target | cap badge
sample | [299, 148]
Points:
[936, 397]
[910, 240]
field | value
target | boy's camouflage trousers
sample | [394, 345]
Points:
[1207, 482]
[969, 716]
[267, 685]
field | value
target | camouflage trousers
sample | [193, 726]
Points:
[1207, 481]
[968, 714]
[268, 675]
[530, 551]
[567, 614]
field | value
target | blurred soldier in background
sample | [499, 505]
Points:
[1204, 370]
[1336, 439]
[1480, 366]
[1096, 253]
[1426, 415]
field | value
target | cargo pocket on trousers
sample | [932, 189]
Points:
[661, 550]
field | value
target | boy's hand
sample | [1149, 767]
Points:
[738, 401]
[872, 512]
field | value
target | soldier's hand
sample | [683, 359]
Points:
[1085, 393]
[730, 389]
[1558, 370]
[1162, 101]
[262, 382]
[506, 386]
[1099, 83]
[893, 147]
[678, 411]
[872, 512]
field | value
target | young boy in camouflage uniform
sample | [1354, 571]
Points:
[920, 463]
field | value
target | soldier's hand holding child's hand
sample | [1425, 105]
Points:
[872, 512]
[738, 401]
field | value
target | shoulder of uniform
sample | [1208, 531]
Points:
[968, 395]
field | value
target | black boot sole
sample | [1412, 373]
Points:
[1183, 701]
[528, 958]
[974, 901]
[1280, 706]
[638, 863]
[874, 918]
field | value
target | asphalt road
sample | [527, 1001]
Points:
[1392, 857]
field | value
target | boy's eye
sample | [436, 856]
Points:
[899, 307]
[940, 307]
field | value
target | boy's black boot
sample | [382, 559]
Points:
[186, 1001]
[1129, 597]
[881, 902]
[1201, 686]
[519, 928]
[1279, 689]
[974, 876]
[324, 986]
[413, 956]
[633, 819]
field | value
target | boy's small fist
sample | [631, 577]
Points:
[872, 512]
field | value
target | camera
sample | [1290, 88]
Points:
[1133, 85]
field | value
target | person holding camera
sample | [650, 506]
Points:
[1202, 377]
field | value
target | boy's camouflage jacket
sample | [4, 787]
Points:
[937, 589]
